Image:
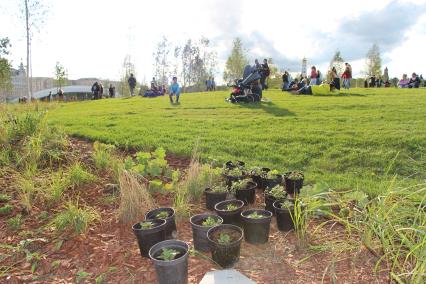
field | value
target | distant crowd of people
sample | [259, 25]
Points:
[210, 84]
[98, 91]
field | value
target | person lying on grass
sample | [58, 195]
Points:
[174, 90]
[323, 89]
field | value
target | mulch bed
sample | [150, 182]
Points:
[110, 246]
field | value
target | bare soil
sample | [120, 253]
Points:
[111, 249]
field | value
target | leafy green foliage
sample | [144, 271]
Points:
[256, 215]
[162, 215]
[81, 276]
[146, 225]
[6, 209]
[168, 254]
[219, 188]
[295, 175]
[224, 239]
[210, 222]
[153, 164]
[278, 192]
[74, 218]
[235, 172]
[237, 185]
[156, 185]
[231, 207]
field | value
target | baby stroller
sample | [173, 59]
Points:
[247, 89]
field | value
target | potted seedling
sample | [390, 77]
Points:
[293, 182]
[283, 210]
[170, 259]
[167, 214]
[200, 225]
[256, 224]
[148, 233]
[276, 193]
[256, 174]
[225, 243]
[230, 211]
[244, 190]
[215, 194]
[270, 179]
[233, 174]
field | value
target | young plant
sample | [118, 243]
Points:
[271, 174]
[146, 225]
[238, 185]
[168, 254]
[295, 175]
[75, 218]
[278, 192]
[224, 239]
[78, 176]
[235, 172]
[256, 215]
[54, 191]
[15, 223]
[162, 215]
[102, 155]
[210, 222]
[231, 207]
[218, 188]
[210, 176]
[256, 171]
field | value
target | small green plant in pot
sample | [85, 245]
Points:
[233, 175]
[294, 182]
[215, 194]
[200, 224]
[164, 213]
[225, 243]
[230, 211]
[148, 233]
[270, 179]
[170, 259]
[256, 224]
[244, 190]
[276, 193]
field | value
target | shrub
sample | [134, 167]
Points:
[4, 197]
[102, 155]
[135, 198]
[78, 176]
[26, 192]
[74, 218]
[56, 187]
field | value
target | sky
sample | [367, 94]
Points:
[91, 38]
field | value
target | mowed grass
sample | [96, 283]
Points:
[356, 140]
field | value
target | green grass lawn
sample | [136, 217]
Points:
[349, 140]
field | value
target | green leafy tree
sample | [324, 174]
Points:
[373, 61]
[338, 62]
[5, 76]
[236, 62]
[60, 75]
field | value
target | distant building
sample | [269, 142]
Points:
[19, 84]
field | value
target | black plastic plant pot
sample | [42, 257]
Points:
[256, 230]
[293, 186]
[170, 229]
[212, 198]
[174, 271]
[230, 216]
[269, 202]
[149, 236]
[225, 254]
[258, 178]
[284, 221]
[272, 182]
[248, 194]
[199, 232]
[232, 179]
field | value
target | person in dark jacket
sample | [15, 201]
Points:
[132, 84]
[111, 91]
[414, 81]
[95, 90]
[264, 74]
[286, 78]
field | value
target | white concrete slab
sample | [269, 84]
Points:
[227, 276]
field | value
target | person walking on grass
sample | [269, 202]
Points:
[132, 84]
[347, 76]
[174, 90]
[314, 76]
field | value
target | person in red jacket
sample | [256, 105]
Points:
[314, 76]
[347, 76]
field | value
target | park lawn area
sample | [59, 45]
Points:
[359, 139]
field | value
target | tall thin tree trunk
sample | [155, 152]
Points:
[28, 50]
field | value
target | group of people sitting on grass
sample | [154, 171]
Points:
[413, 82]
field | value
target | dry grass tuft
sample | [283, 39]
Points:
[135, 199]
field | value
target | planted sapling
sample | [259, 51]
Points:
[224, 239]
[277, 192]
[231, 207]
[146, 225]
[162, 215]
[168, 254]
[295, 175]
[218, 188]
[210, 222]
[271, 174]
[256, 215]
